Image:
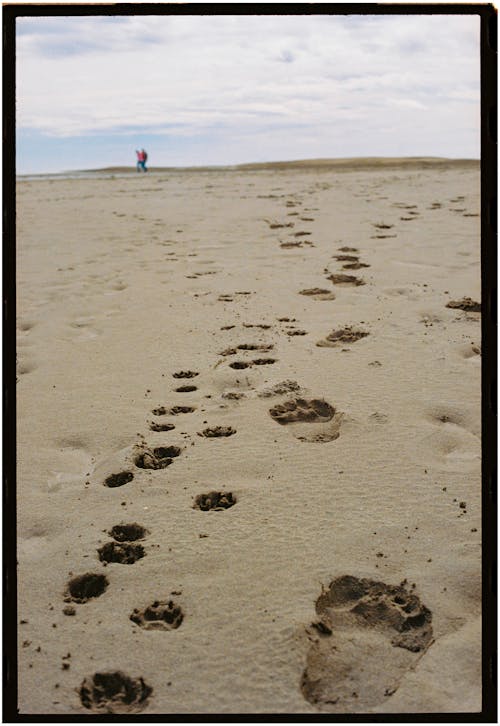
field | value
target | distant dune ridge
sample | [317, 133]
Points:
[359, 162]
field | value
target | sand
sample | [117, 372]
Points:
[298, 452]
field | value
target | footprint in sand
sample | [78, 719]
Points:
[369, 635]
[217, 432]
[185, 374]
[126, 553]
[160, 615]
[341, 279]
[162, 410]
[279, 389]
[82, 588]
[346, 258]
[157, 458]
[214, 500]
[348, 249]
[114, 692]
[118, 480]
[466, 303]
[155, 426]
[354, 265]
[313, 420]
[344, 335]
[318, 293]
[128, 532]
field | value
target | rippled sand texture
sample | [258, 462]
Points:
[249, 442]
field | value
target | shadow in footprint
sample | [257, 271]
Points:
[354, 265]
[340, 279]
[160, 615]
[154, 426]
[84, 587]
[123, 552]
[118, 480]
[318, 293]
[302, 413]
[345, 335]
[158, 458]
[214, 500]
[466, 303]
[370, 635]
[128, 532]
[181, 409]
[217, 431]
[185, 374]
[114, 692]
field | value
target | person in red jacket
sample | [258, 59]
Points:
[141, 160]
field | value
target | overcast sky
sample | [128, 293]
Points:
[232, 89]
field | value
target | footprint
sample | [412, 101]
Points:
[233, 395]
[253, 346]
[214, 500]
[370, 635]
[158, 458]
[355, 265]
[217, 431]
[341, 279]
[154, 426]
[344, 335]
[348, 249]
[82, 588]
[246, 346]
[175, 410]
[466, 303]
[318, 293]
[346, 258]
[125, 553]
[295, 331]
[239, 365]
[114, 692]
[128, 532]
[185, 374]
[302, 413]
[118, 480]
[186, 389]
[263, 361]
[279, 389]
[160, 615]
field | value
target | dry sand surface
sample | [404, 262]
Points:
[257, 370]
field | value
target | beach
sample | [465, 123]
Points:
[249, 440]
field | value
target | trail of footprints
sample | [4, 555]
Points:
[361, 623]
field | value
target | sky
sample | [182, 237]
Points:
[219, 90]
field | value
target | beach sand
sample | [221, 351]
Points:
[338, 420]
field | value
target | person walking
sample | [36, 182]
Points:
[141, 160]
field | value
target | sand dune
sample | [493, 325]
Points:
[249, 440]
[346, 164]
